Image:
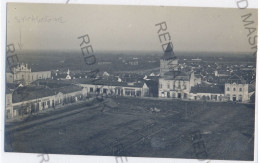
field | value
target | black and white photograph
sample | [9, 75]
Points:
[131, 81]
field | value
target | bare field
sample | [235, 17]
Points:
[139, 128]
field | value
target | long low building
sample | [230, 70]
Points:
[213, 93]
[138, 89]
[31, 99]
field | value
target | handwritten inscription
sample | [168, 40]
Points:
[38, 19]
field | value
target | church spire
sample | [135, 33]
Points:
[168, 53]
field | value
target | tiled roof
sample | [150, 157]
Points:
[236, 79]
[251, 88]
[12, 85]
[34, 92]
[52, 83]
[108, 83]
[208, 89]
[8, 91]
[31, 92]
[68, 89]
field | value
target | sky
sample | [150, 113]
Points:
[127, 28]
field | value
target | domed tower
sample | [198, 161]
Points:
[168, 61]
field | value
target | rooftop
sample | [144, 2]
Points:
[109, 83]
[30, 93]
[236, 79]
[208, 89]
[34, 92]
[168, 53]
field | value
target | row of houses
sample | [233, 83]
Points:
[137, 89]
[31, 99]
[48, 93]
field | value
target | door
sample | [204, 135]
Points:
[234, 98]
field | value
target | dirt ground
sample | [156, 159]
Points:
[140, 128]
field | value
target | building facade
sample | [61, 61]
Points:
[174, 83]
[23, 74]
[236, 89]
[31, 99]
[135, 89]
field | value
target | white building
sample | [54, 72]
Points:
[23, 74]
[236, 89]
[174, 83]
[103, 86]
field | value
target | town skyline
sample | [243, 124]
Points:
[134, 81]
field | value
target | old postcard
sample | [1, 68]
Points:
[131, 81]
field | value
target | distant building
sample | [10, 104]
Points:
[106, 74]
[236, 89]
[134, 62]
[207, 92]
[103, 86]
[31, 99]
[68, 77]
[174, 83]
[23, 74]
[218, 73]
[169, 61]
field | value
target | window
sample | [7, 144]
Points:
[168, 86]
[104, 90]
[240, 89]
[160, 85]
[98, 90]
[227, 88]
[91, 89]
[234, 89]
